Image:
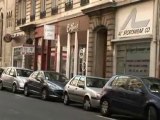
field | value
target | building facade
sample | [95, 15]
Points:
[91, 37]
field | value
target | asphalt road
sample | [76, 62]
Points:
[19, 107]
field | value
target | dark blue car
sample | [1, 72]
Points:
[46, 84]
[131, 95]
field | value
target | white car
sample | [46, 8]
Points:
[14, 78]
[85, 90]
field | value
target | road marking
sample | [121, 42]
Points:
[105, 117]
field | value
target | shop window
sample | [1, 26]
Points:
[82, 59]
[133, 59]
[72, 61]
[63, 59]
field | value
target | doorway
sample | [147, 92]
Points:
[100, 52]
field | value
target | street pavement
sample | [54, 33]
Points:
[19, 107]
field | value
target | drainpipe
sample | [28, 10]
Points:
[156, 36]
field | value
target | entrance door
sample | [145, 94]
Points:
[100, 52]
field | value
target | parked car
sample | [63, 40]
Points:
[14, 78]
[46, 84]
[132, 95]
[85, 90]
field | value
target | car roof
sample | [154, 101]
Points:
[20, 68]
[88, 76]
[49, 71]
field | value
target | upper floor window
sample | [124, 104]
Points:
[54, 8]
[21, 14]
[84, 2]
[33, 10]
[54, 3]
[43, 5]
[23, 11]
[9, 19]
[68, 5]
[43, 9]
[19, 9]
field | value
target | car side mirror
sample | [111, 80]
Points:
[81, 86]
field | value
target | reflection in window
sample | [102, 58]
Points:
[24, 73]
[74, 81]
[120, 82]
[81, 82]
[95, 82]
[134, 84]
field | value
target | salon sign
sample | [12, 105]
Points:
[135, 20]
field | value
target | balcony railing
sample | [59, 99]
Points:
[42, 14]
[68, 5]
[84, 2]
[54, 10]
[32, 17]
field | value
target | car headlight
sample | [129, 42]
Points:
[21, 84]
[98, 96]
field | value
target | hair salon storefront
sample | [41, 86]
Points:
[134, 47]
[67, 53]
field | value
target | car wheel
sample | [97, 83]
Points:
[1, 86]
[152, 113]
[44, 94]
[105, 108]
[26, 91]
[87, 104]
[66, 99]
[14, 88]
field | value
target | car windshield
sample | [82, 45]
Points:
[95, 82]
[52, 76]
[153, 84]
[23, 72]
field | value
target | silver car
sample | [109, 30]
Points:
[85, 90]
[14, 78]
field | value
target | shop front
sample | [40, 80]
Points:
[45, 50]
[133, 44]
[72, 46]
[67, 52]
